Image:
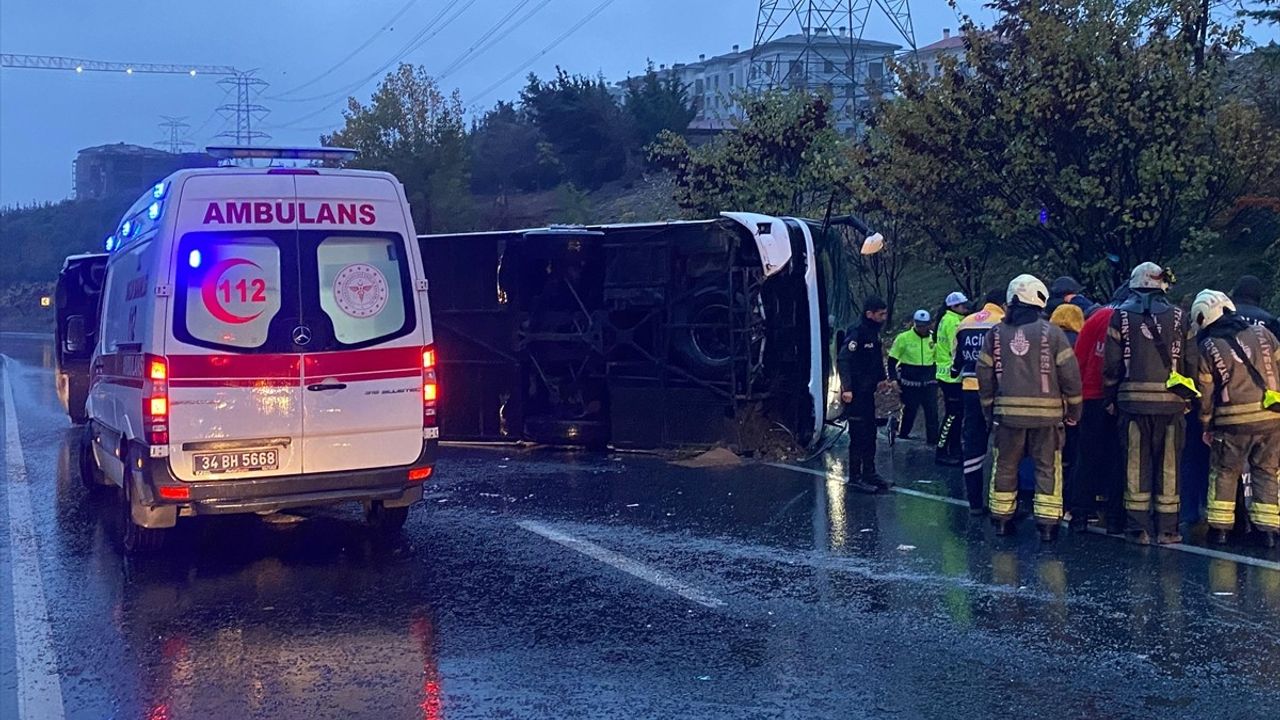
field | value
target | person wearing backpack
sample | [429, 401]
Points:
[1239, 376]
[1146, 383]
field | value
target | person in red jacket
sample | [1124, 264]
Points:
[1098, 471]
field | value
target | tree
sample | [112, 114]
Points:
[583, 124]
[1264, 11]
[1104, 134]
[784, 157]
[510, 154]
[655, 103]
[414, 131]
[929, 161]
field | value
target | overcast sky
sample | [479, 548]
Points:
[46, 116]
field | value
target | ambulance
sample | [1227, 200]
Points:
[264, 343]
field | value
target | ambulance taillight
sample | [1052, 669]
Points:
[155, 401]
[429, 387]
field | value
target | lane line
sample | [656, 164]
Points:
[1192, 549]
[635, 568]
[39, 689]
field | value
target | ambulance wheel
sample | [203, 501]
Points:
[385, 520]
[90, 473]
[135, 539]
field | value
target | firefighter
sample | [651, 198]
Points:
[1239, 376]
[912, 366]
[861, 366]
[969, 336]
[948, 445]
[1146, 383]
[1029, 384]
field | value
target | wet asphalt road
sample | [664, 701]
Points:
[534, 584]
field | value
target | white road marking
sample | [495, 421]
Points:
[39, 690]
[1192, 549]
[635, 568]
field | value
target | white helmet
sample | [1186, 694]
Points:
[1149, 276]
[1028, 290]
[1209, 307]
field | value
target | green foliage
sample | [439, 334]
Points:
[655, 104]
[40, 237]
[583, 125]
[784, 157]
[414, 131]
[1084, 136]
[510, 154]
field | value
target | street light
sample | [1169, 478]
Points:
[46, 301]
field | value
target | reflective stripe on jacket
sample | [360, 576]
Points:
[947, 326]
[1028, 376]
[969, 336]
[1135, 373]
[1230, 399]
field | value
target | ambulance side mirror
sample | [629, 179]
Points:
[75, 339]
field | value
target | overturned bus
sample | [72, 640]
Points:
[641, 336]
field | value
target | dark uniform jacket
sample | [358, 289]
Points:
[1134, 371]
[861, 359]
[1028, 376]
[1255, 315]
[1230, 399]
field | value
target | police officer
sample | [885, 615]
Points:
[1145, 379]
[948, 446]
[861, 366]
[912, 366]
[1029, 385]
[1239, 376]
[969, 337]
[1247, 298]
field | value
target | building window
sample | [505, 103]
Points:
[828, 67]
[732, 79]
[715, 80]
[768, 68]
[875, 70]
[851, 91]
[699, 86]
[717, 102]
[848, 68]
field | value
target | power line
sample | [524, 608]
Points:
[554, 43]
[433, 27]
[498, 38]
[458, 61]
[414, 44]
[378, 33]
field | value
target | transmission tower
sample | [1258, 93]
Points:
[245, 111]
[820, 46]
[175, 139]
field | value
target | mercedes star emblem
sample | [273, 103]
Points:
[301, 335]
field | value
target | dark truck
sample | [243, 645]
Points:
[77, 298]
[645, 336]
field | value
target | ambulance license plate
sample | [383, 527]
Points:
[235, 462]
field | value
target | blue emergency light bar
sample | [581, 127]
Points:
[236, 152]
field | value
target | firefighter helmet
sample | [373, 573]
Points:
[1209, 307]
[1028, 290]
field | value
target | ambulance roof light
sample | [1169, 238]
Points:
[231, 152]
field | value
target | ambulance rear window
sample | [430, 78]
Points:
[229, 290]
[363, 287]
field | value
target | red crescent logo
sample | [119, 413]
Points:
[209, 292]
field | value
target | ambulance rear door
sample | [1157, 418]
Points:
[363, 368]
